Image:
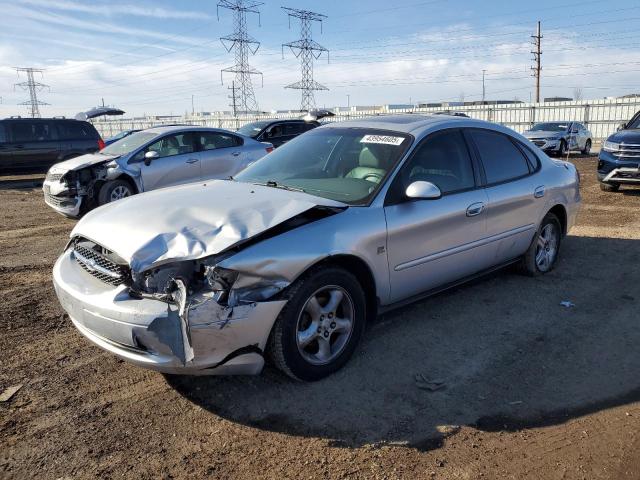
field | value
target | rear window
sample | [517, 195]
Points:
[293, 128]
[501, 159]
[76, 131]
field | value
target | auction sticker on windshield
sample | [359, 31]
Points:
[383, 139]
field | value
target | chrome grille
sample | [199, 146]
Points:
[94, 260]
[57, 201]
[539, 143]
[628, 150]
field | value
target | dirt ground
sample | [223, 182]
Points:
[533, 389]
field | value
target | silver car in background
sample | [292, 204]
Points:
[146, 160]
[560, 138]
[292, 257]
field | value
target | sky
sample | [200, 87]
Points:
[156, 56]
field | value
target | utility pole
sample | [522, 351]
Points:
[242, 44]
[193, 110]
[233, 103]
[348, 101]
[34, 87]
[307, 50]
[537, 58]
[483, 89]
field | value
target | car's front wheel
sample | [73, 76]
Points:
[563, 150]
[320, 326]
[543, 251]
[114, 190]
[587, 148]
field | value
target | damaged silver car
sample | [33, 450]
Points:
[146, 160]
[292, 257]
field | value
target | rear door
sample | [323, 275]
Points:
[515, 193]
[178, 162]
[434, 242]
[6, 154]
[35, 143]
[221, 154]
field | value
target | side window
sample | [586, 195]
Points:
[32, 132]
[309, 126]
[172, 145]
[275, 131]
[214, 141]
[501, 159]
[75, 131]
[291, 129]
[532, 158]
[3, 133]
[444, 160]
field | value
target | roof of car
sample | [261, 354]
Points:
[179, 128]
[410, 123]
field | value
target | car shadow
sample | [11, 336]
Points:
[501, 353]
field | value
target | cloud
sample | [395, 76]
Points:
[112, 10]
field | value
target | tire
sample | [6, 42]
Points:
[331, 339]
[587, 148]
[562, 149]
[114, 190]
[547, 239]
[609, 187]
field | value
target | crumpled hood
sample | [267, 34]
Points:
[542, 134]
[190, 221]
[82, 161]
[626, 136]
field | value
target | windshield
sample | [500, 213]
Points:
[253, 129]
[635, 121]
[550, 127]
[343, 164]
[129, 144]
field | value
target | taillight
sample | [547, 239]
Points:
[101, 144]
[269, 149]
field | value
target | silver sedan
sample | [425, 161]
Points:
[292, 257]
[146, 160]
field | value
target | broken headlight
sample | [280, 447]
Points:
[220, 281]
[161, 280]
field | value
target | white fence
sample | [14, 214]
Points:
[602, 117]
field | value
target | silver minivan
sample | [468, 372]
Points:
[150, 159]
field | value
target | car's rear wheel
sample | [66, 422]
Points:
[543, 251]
[609, 187]
[114, 190]
[320, 326]
[587, 148]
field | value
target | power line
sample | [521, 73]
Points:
[34, 87]
[242, 44]
[307, 50]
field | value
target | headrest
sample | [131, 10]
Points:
[368, 159]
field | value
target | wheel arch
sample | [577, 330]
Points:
[561, 212]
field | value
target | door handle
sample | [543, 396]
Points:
[475, 209]
[539, 192]
[235, 154]
[192, 160]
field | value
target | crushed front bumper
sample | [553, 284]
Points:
[69, 206]
[622, 175]
[149, 333]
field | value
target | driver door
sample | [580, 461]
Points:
[178, 162]
[434, 242]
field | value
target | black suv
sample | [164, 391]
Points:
[619, 159]
[277, 132]
[38, 143]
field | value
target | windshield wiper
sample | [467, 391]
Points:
[274, 184]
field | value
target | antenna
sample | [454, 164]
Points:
[34, 87]
[307, 50]
[243, 44]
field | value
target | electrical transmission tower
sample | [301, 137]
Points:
[34, 87]
[243, 44]
[537, 58]
[307, 50]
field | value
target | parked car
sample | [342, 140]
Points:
[36, 143]
[277, 132]
[146, 160]
[561, 137]
[119, 136]
[292, 256]
[619, 159]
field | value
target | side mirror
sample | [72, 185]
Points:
[150, 156]
[423, 190]
[622, 126]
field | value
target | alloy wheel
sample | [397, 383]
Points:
[325, 325]
[119, 193]
[547, 247]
